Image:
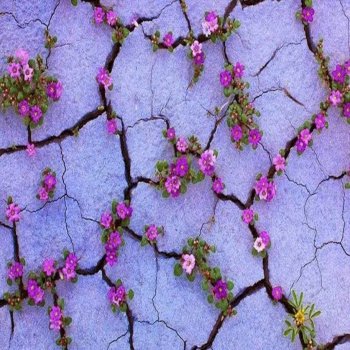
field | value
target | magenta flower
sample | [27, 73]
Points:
[170, 134]
[68, 273]
[12, 212]
[207, 162]
[106, 219]
[181, 167]
[254, 137]
[247, 215]
[265, 189]
[339, 74]
[265, 238]
[31, 150]
[196, 48]
[36, 114]
[54, 90]
[218, 185]
[181, 145]
[72, 260]
[347, 67]
[111, 18]
[111, 257]
[168, 39]
[279, 162]
[112, 127]
[43, 194]
[277, 293]
[50, 181]
[15, 270]
[23, 108]
[35, 292]
[99, 15]
[172, 185]
[220, 290]
[236, 133]
[335, 97]
[307, 14]
[14, 70]
[115, 239]
[188, 262]
[346, 110]
[124, 211]
[22, 55]
[56, 318]
[300, 145]
[117, 295]
[199, 59]
[103, 77]
[238, 70]
[27, 72]
[210, 24]
[320, 121]
[152, 233]
[225, 78]
[49, 267]
[305, 135]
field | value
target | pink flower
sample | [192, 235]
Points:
[320, 121]
[31, 150]
[168, 39]
[335, 97]
[99, 15]
[43, 194]
[106, 219]
[277, 293]
[305, 135]
[68, 273]
[248, 215]
[218, 186]
[12, 212]
[188, 262]
[111, 257]
[117, 295]
[279, 162]
[346, 110]
[339, 74]
[49, 267]
[265, 238]
[50, 181]
[111, 18]
[112, 127]
[207, 162]
[35, 292]
[236, 133]
[124, 211]
[172, 185]
[22, 55]
[55, 318]
[225, 78]
[254, 137]
[181, 145]
[36, 114]
[307, 14]
[23, 108]
[27, 72]
[259, 245]
[196, 48]
[199, 59]
[14, 70]
[152, 233]
[300, 145]
[170, 134]
[210, 24]
[104, 78]
[15, 270]
[265, 189]
[238, 70]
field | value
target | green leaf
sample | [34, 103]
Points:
[177, 270]
[131, 294]
[74, 2]
[230, 285]
[210, 299]
[67, 321]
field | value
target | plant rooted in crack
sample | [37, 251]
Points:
[194, 260]
[118, 297]
[47, 185]
[302, 321]
[152, 232]
[27, 89]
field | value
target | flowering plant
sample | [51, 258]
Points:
[174, 177]
[302, 321]
[241, 111]
[194, 260]
[152, 232]
[12, 211]
[265, 188]
[112, 223]
[47, 185]
[249, 217]
[261, 244]
[27, 89]
[306, 15]
[118, 296]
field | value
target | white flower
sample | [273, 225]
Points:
[188, 262]
[206, 28]
[259, 245]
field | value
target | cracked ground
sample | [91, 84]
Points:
[308, 221]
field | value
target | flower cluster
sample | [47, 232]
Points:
[152, 232]
[304, 139]
[174, 177]
[118, 297]
[241, 111]
[279, 162]
[261, 244]
[302, 321]
[68, 272]
[103, 77]
[12, 211]
[112, 223]
[194, 260]
[35, 293]
[47, 185]
[102, 15]
[198, 58]
[27, 89]
[249, 217]
[265, 189]
[58, 322]
[15, 271]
